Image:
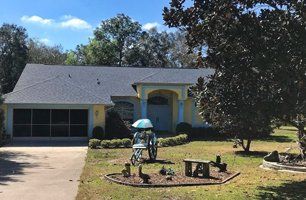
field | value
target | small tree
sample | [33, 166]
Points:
[237, 97]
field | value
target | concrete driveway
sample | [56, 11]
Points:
[41, 170]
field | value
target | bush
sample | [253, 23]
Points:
[105, 144]
[98, 133]
[173, 141]
[94, 143]
[183, 127]
[115, 127]
[115, 143]
[126, 142]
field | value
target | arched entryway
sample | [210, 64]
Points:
[160, 109]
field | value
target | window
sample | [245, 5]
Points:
[125, 110]
[158, 100]
[60, 116]
[78, 123]
[22, 122]
[22, 116]
[78, 116]
[46, 122]
[41, 116]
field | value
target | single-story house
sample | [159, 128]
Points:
[69, 101]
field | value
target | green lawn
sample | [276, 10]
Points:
[253, 183]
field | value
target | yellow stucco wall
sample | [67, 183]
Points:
[99, 115]
[188, 111]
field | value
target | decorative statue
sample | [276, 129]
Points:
[145, 177]
[126, 172]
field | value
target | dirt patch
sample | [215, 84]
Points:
[177, 180]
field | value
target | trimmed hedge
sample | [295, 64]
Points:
[126, 142]
[94, 143]
[115, 143]
[173, 141]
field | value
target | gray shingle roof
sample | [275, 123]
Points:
[91, 85]
[54, 91]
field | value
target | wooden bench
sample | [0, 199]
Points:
[202, 167]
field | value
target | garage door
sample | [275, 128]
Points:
[50, 123]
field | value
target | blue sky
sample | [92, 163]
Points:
[71, 22]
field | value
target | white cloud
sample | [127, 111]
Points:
[151, 25]
[74, 23]
[66, 21]
[46, 41]
[36, 19]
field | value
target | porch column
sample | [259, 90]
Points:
[181, 104]
[143, 108]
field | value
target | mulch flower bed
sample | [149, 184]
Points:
[179, 179]
[298, 163]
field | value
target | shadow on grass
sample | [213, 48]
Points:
[159, 161]
[276, 138]
[254, 154]
[294, 190]
[10, 166]
[212, 139]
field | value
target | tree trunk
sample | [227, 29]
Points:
[246, 147]
[302, 144]
[120, 58]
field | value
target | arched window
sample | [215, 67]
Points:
[158, 100]
[125, 110]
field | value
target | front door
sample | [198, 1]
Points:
[159, 112]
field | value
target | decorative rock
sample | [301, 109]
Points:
[169, 178]
[272, 157]
[163, 171]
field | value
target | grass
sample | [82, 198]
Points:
[253, 183]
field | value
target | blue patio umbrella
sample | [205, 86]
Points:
[143, 123]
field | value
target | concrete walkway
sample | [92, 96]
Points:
[41, 170]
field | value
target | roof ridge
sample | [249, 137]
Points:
[110, 66]
[32, 85]
[84, 89]
[150, 75]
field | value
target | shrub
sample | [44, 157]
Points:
[115, 143]
[126, 142]
[105, 143]
[94, 143]
[173, 141]
[183, 127]
[115, 127]
[98, 133]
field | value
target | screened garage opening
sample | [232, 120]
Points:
[50, 123]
